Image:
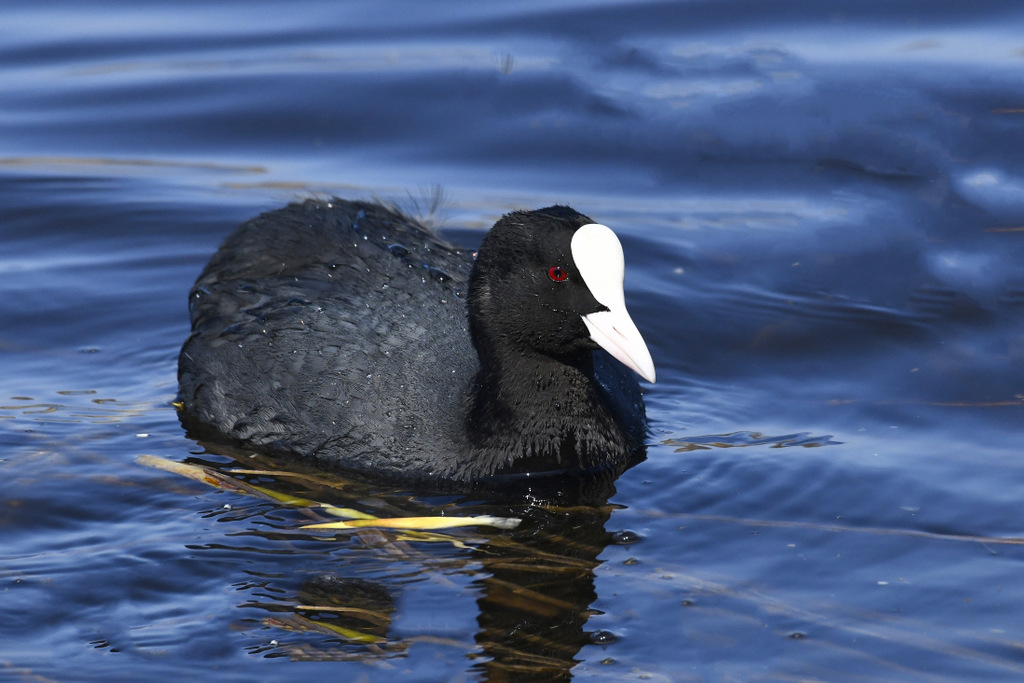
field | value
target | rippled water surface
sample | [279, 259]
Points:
[823, 217]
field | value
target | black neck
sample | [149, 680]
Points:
[531, 413]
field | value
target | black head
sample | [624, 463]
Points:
[549, 283]
[526, 292]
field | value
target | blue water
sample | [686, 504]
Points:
[822, 207]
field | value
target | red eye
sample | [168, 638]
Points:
[557, 273]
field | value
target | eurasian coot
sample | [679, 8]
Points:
[347, 333]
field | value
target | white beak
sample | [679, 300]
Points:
[615, 332]
[598, 256]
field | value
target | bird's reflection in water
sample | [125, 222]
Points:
[534, 583]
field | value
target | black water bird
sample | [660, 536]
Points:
[349, 334]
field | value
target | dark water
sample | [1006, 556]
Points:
[823, 216]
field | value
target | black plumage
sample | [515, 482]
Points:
[348, 333]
